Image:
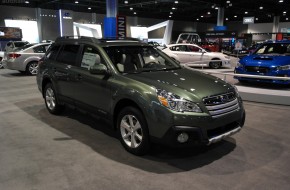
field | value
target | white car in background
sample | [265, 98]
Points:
[25, 59]
[193, 55]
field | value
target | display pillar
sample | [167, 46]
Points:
[220, 18]
[275, 26]
[110, 19]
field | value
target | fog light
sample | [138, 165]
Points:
[182, 137]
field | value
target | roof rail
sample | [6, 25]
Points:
[65, 38]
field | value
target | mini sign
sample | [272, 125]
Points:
[248, 20]
[121, 26]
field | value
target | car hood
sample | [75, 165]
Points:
[183, 81]
[265, 60]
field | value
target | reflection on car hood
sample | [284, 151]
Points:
[266, 60]
[195, 82]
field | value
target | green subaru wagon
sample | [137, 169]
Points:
[144, 94]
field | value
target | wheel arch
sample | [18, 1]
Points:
[45, 81]
[125, 102]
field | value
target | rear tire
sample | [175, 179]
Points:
[215, 64]
[32, 68]
[51, 101]
[133, 131]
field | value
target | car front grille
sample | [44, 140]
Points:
[221, 105]
[257, 69]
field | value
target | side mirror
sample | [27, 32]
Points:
[203, 51]
[99, 69]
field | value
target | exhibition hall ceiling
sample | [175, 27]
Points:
[187, 10]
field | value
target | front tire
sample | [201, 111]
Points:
[51, 101]
[32, 68]
[133, 131]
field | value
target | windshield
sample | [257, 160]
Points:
[274, 49]
[135, 59]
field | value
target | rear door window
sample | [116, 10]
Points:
[68, 54]
[40, 49]
[52, 53]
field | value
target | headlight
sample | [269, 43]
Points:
[284, 67]
[176, 103]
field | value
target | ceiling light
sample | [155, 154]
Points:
[216, 8]
[261, 8]
[169, 16]
[135, 13]
[281, 1]
[201, 16]
[126, 2]
[287, 18]
[208, 13]
[228, 1]
[235, 16]
[26, 2]
[173, 8]
[197, 19]
[246, 12]
[89, 8]
[227, 19]
[230, 4]
[131, 8]
[284, 12]
[76, 2]
[257, 18]
[171, 13]
[176, 2]
[213, 6]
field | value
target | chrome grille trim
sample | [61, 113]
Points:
[235, 101]
[221, 111]
[221, 105]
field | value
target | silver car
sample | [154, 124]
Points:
[25, 59]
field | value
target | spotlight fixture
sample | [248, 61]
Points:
[201, 16]
[257, 18]
[173, 8]
[197, 19]
[246, 12]
[169, 16]
[284, 12]
[208, 13]
[76, 2]
[261, 8]
[287, 18]
[126, 2]
[171, 13]
[281, 1]
[228, 2]
[235, 16]
[135, 13]
[27, 2]
[216, 8]
[175, 2]
[89, 8]
[227, 19]
[131, 8]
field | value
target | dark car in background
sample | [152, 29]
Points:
[143, 93]
[272, 58]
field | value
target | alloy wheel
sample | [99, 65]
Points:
[50, 99]
[131, 131]
[33, 68]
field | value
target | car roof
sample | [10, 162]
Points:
[278, 41]
[103, 42]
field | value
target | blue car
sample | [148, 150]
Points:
[272, 58]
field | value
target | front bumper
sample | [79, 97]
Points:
[272, 73]
[200, 128]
